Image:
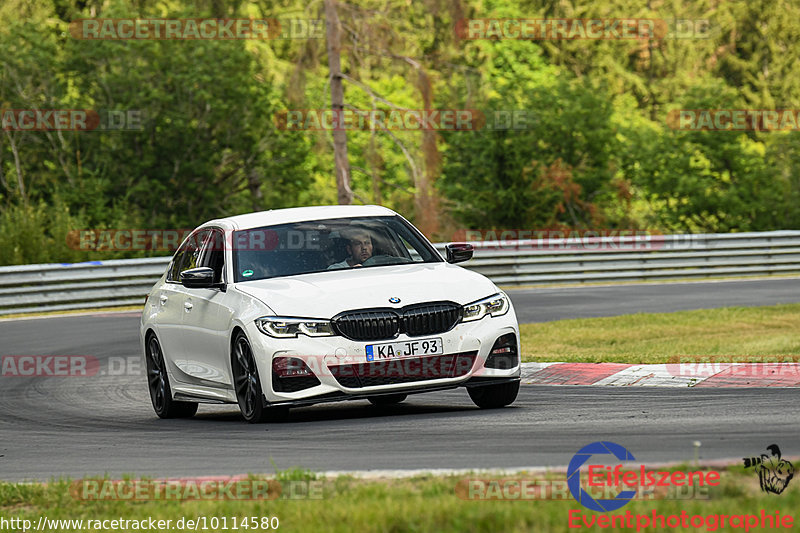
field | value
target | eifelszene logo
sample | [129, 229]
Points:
[605, 488]
[774, 473]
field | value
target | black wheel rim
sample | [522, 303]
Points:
[246, 378]
[156, 375]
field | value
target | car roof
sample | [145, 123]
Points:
[299, 214]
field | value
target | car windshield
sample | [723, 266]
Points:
[327, 245]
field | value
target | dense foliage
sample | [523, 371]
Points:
[595, 151]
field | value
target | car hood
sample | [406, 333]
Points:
[325, 294]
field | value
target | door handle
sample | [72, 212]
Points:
[188, 306]
[163, 299]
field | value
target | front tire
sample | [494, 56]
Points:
[158, 383]
[494, 396]
[249, 393]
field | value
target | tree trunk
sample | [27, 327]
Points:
[375, 167]
[344, 193]
[18, 168]
[426, 199]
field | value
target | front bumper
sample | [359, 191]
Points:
[334, 360]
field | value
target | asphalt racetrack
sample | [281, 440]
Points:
[104, 424]
[542, 305]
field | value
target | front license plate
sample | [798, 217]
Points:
[390, 350]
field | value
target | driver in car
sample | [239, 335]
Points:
[359, 249]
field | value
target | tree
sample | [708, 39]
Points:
[341, 164]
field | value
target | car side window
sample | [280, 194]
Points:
[172, 275]
[188, 256]
[213, 254]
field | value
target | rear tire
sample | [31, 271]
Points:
[158, 383]
[494, 396]
[389, 399]
[249, 393]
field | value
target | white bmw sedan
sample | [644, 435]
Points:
[300, 306]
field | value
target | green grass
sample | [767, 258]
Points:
[658, 337]
[424, 503]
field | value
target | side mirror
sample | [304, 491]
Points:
[458, 252]
[198, 278]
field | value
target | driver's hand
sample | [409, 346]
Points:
[358, 265]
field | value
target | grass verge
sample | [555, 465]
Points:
[423, 503]
[656, 337]
[98, 310]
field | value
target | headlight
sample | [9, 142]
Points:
[496, 305]
[283, 328]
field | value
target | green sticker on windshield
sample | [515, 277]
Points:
[247, 273]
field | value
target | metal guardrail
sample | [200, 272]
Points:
[53, 287]
[56, 287]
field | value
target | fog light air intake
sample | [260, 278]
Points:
[291, 374]
[503, 354]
